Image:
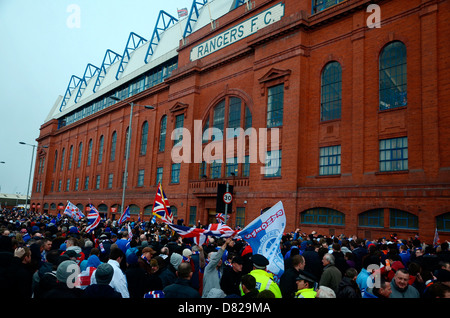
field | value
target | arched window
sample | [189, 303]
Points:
[134, 209]
[231, 115]
[219, 119]
[80, 153]
[100, 149]
[371, 218]
[112, 154]
[331, 92]
[443, 222]
[393, 83]
[403, 220]
[162, 133]
[144, 137]
[56, 160]
[148, 210]
[323, 216]
[70, 157]
[89, 158]
[63, 153]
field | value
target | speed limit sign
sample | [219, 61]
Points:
[227, 197]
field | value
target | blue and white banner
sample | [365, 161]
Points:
[264, 236]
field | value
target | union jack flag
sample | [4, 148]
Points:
[220, 217]
[200, 235]
[161, 206]
[125, 215]
[93, 219]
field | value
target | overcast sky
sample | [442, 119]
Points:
[42, 44]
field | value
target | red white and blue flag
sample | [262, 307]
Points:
[182, 12]
[200, 235]
[125, 215]
[220, 217]
[436, 240]
[93, 219]
[161, 206]
[73, 211]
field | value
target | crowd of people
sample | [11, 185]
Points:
[43, 256]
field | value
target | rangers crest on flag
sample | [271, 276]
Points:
[161, 207]
[73, 211]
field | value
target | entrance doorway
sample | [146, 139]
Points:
[212, 216]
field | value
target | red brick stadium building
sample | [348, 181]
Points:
[358, 93]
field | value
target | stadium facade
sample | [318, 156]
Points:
[356, 91]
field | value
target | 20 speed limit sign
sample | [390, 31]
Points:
[227, 197]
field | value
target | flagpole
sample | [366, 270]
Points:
[226, 205]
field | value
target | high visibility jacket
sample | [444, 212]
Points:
[264, 280]
[306, 293]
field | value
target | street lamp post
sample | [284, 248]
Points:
[31, 168]
[127, 147]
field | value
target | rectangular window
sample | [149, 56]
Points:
[202, 170]
[67, 184]
[59, 185]
[234, 116]
[140, 182]
[110, 180]
[97, 182]
[77, 183]
[192, 215]
[179, 123]
[246, 170]
[394, 154]
[159, 174]
[273, 164]
[216, 168]
[231, 167]
[219, 118]
[86, 183]
[240, 217]
[275, 106]
[319, 5]
[330, 161]
[175, 174]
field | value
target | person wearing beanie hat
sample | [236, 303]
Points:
[66, 275]
[168, 275]
[102, 289]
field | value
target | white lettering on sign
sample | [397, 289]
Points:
[238, 32]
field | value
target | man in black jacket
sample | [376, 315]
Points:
[181, 288]
[232, 275]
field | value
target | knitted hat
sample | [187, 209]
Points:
[66, 270]
[104, 274]
[175, 260]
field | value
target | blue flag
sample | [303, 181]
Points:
[264, 236]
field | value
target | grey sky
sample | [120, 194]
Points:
[40, 51]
